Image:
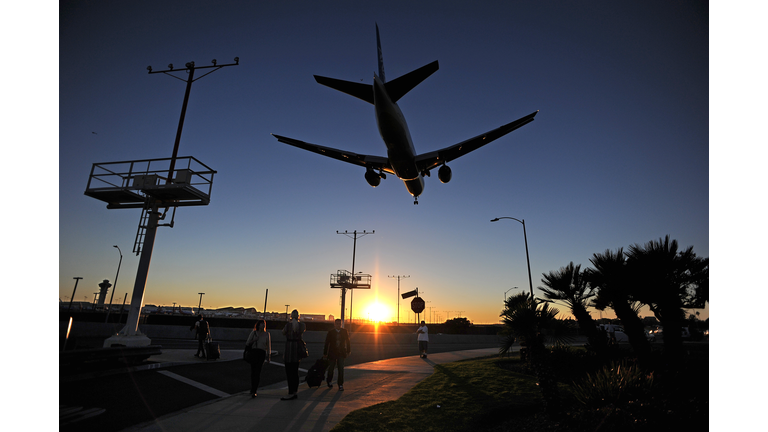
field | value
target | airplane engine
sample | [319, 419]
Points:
[444, 174]
[372, 178]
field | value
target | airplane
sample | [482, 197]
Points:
[402, 160]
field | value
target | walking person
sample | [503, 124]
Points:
[295, 350]
[423, 338]
[337, 348]
[261, 344]
[202, 330]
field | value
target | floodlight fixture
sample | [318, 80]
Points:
[170, 66]
[214, 62]
[190, 65]
[149, 68]
[237, 60]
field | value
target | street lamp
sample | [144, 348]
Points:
[505, 293]
[525, 236]
[114, 287]
[199, 305]
[77, 279]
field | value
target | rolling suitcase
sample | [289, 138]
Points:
[212, 351]
[316, 373]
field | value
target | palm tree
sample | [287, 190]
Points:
[669, 281]
[570, 286]
[531, 322]
[611, 279]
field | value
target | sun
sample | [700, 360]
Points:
[377, 312]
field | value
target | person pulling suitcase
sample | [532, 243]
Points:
[201, 329]
[337, 348]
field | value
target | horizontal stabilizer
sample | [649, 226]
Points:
[358, 90]
[397, 88]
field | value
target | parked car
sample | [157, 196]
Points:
[616, 330]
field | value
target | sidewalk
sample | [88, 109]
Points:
[316, 409]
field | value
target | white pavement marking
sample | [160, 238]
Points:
[194, 384]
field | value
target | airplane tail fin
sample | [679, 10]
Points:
[402, 85]
[381, 56]
[396, 89]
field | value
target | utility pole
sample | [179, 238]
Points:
[398, 295]
[200, 304]
[344, 289]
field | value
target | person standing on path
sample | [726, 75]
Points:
[337, 348]
[260, 341]
[201, 332]
[295, 350]
[423, 338]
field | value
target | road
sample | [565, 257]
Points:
[113, 402]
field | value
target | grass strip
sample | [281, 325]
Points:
[460, 396]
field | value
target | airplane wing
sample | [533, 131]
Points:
[367, 161]
[427, 161]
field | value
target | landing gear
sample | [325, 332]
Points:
[415, 200]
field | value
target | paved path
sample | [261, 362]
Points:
[316, 409]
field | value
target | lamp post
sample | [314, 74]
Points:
[505, 294]
[77, 279]
[114, 287]
[286, 312]
[199, 305]
[525, 236]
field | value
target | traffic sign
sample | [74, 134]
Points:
[417, 305]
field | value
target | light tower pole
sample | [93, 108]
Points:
[354, 237]
[130, 336]
[398, 294]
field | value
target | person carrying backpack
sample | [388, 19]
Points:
[201, 332]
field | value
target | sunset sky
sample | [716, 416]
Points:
[619, 153]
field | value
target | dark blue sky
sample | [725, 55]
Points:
[618, 154]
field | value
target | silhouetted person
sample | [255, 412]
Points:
[201, 332]
[337, 348]
[294, 342]
[260, 341]
[423, 338]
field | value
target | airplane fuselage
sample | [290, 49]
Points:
[396, 136]
[401, 159]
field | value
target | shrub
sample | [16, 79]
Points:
[617, 384]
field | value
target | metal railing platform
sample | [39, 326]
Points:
[131, 184]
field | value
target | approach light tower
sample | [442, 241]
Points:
[153, 185]
[350, 281]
